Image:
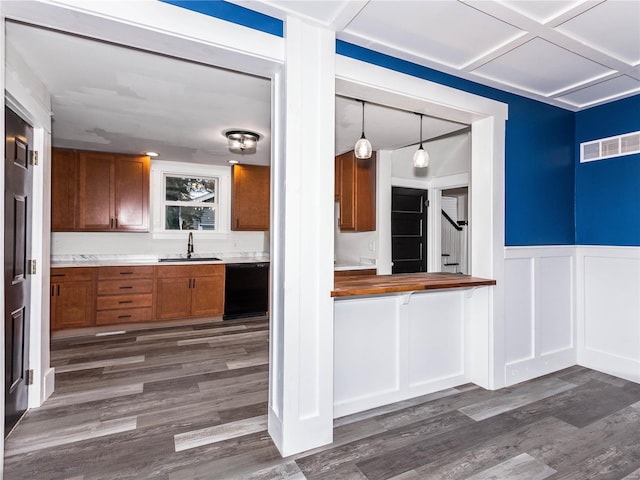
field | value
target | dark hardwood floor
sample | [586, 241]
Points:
[185, 403]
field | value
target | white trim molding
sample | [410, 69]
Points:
[540, 329]
[608, 310]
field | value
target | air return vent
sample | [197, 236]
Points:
[610, 147]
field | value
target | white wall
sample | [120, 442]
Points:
[114, 243]
[447, 156]
[353, 247]
[539, 311]
[159, 242]
[608, 309]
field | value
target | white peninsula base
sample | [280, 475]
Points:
[394, 346]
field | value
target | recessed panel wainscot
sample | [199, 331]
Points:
[408, 339]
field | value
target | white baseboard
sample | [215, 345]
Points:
[520, 371]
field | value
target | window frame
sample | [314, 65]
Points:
[160, 169]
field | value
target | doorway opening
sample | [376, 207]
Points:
[454, 222]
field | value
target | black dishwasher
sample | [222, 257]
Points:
[246, 290]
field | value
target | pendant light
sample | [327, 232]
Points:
[421, 157]
[363, 146]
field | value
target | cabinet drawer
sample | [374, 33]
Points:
[124, 286]
[177, 271]
[124, 301]
[109, 317]
[115, 273]
[72, 274]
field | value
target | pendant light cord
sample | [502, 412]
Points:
[421, 130]
[362, 118]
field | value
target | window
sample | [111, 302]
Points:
[190, 203]
[190, 197]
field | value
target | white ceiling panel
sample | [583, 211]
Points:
[447, 32]
[603, 91]
[541, 67]
[542, 10]
[611, 26]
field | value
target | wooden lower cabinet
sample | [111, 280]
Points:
[73, 297]
[125, 295]
[88, 296]
[189, 291]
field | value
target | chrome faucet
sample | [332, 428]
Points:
[190, 245]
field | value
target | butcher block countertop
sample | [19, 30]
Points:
[403, 282]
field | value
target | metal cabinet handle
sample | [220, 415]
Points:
[126, 288]
[126, 273]
[194, 283]
[58, 290]
[125, 301]
[111, 223]
[124, 316]
[116, 223]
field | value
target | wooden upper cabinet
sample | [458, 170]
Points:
[95, 191]
[131, 196]
[64, 185]
[250, 198]
[356, 181]
[99, 192]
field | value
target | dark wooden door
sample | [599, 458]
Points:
[408, 230]
[17, 248]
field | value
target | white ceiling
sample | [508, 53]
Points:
[570, 53]
[110, 98]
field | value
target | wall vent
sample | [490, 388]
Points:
[610, 147]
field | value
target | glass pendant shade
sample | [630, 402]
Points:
[421, 158]
[363, 148]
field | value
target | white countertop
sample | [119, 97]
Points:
[144, 260]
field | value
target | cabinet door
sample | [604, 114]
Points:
[95, 191]
[251, 197]
[346, 167]
[131, 193]
[207, 296]
[72, 305]
[365, 194]
[173, 298]
[64, 176]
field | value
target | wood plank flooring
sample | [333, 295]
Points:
[189, 402]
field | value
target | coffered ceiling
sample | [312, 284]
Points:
[570, 53]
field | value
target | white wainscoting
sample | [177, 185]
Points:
[608, 310]
[540, 335]
[392, 347]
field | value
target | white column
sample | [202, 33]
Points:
[301, 377]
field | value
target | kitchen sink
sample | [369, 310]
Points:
[192, 259]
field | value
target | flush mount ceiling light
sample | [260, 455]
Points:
[233, 162]
[242, 141]
[151, 154]
[362, 148]
[421, 157]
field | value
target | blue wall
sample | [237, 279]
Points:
[608, 191]
[540, 143]
[539, 152]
